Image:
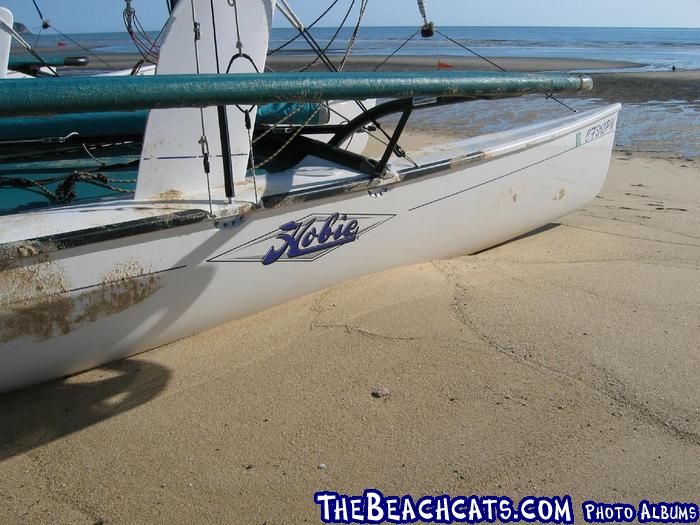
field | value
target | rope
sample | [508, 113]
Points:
[351, 44]
[147, 48]
[65, 150]
[246, 112]
[322, 55]
[27, 184]
[282, 121]
[289, 141]
[65, 192]
[317, 49]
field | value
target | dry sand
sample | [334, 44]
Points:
[564, 362]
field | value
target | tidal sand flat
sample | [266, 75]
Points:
[562, 362]
[292, 62]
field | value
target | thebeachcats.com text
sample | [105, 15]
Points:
[374, 507]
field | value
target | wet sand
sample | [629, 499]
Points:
[620, 86]
[633, 87]
[288, 62]
[563, 362]
[427, 63]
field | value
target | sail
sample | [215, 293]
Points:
[5, 40]
[180, 145]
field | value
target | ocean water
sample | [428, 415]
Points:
[655, 126]
[655, 48]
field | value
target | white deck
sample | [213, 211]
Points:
[310, 173]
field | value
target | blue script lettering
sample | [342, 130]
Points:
[302, 238]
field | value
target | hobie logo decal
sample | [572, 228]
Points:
[305, 239]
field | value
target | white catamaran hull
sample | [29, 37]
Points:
[92, 304]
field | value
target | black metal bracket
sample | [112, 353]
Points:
[393, 142]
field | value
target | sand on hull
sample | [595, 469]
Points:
[564, 362]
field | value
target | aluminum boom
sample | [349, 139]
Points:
[79, 94]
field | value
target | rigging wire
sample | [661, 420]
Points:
[335, 35]
[307, 28]
[321, 54]
[471, 51]
[81, 46]
[46, 24]
[549, 96]
[10, 30]
[306, 34]
[38, 10]
[396, 51]
[284, 8]
[303, 31]
[38, 36]
[203, 140]
[429, 28]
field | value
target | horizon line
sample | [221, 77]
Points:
[412, 26]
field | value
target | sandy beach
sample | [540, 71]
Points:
[563, 362]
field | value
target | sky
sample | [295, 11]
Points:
[84, 16]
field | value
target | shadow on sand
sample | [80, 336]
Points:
[536, 231]
[42, 414]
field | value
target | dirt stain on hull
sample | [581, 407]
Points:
[37, 301]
